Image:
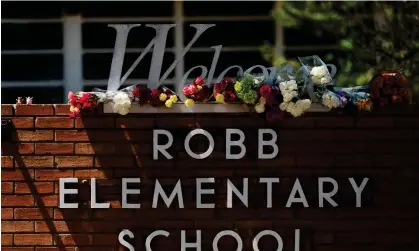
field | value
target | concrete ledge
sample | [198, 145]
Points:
[200, 108]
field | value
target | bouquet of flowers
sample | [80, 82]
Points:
[389, 87]
[224, 91]
[82, 101]
[196, 92]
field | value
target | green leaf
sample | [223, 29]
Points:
[346, 44]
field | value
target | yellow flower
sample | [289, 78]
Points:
[168, 103]
[220, 98]
[163, 97]
[71, 108]
[262, 101]
[173, 98]
[189, 102]
[259, 108]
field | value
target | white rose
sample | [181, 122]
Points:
[325, 80]
[121, 103]
[330, 101]
[283, 87]
[283, 106]
[304, 104]
[288, 97]
[259, 108]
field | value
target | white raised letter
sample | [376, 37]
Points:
[64, 191]
[124, 242]
[126, 191]
[94, 204]
[297, 188]
[161, 148]
[185, 245]
[271, 142]
[268, 232]
[177, 192]
[151, 237]
[327, 196]
[242, 196]
[200, 191]
[238, 143]
[358, 190]
[210, 148]
[269, 182]
[227, 232]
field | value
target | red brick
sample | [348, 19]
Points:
[61, 109]
[9, 148]
[95, 148]
[87, 174]
[71, 135]
[114, 162]
[335, 123]
[95, 122]
[135, 149]
[47, 201]
[375, 123]
[6, 187]
[33, 239]
[52, 175]
[75, 239]
[33, 213]
[6, 110]
[174, 121]
[37, 135]
[40, 187]
[105, 239]
[55, 249]
[74, 161]
[17, 200]
[323, 238]
[6, 162]
[138, 122]
[296, 123]
[22, 110]
[22, 122]
[16, 175]
[26, 148]
[407, 122]
[35, 161]
[54, 122]
[6, 213]
[6, 240]
[17, 226]
[54, 148]
[18, 249]
[253, 224]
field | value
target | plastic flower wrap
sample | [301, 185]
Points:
[317, 70]
[389, 87]
[81, 101]
[224, 91]
[291, 103]
[197, 91]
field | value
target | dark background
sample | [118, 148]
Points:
[43, 67]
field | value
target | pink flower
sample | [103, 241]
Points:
[199, 81]
[265, 90]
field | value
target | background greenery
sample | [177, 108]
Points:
[373, 36]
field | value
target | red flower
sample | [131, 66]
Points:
[136, 92]
[155, 92]
[265, 90]
[203, 94]
[229, 96]
[199, 81]
[190, 90]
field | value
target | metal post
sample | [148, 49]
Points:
[279, 33]
[179, 43]
[72, 53]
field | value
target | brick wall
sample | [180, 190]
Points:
[45, 145]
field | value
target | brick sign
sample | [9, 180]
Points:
[178, 182]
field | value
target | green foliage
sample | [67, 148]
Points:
[374, 36]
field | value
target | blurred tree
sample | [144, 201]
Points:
[374, 35]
